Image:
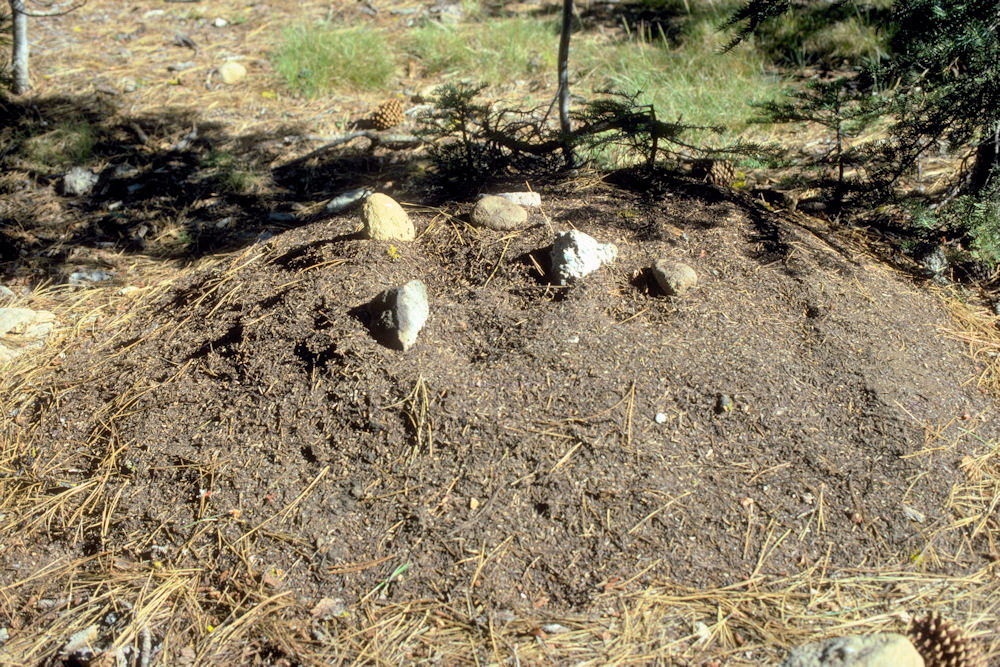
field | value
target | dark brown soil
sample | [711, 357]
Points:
[512, 457]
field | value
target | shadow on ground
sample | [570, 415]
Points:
[169, 184]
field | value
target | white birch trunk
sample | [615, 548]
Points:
[19, 62]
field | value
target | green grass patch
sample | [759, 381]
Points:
[694, 82]
[492, 51]
[315, 59]
[70, 142]
[799, 39]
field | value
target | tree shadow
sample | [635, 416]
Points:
[643, 21]
[652, 185]
[169, 184]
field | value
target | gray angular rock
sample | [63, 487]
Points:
[575, 254]
[78, 182]
[385, 220]
[398, 314]
[499, 213]
[878, 650]
[81, 643]
[87, 278]
[934, 261]
[674, 278]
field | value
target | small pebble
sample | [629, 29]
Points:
[661, 417]
[230, 72]
[554, 628]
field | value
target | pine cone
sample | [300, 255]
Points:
[716, 172]
[941, 643]
[388, 114]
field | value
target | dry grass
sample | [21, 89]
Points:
[147, 609]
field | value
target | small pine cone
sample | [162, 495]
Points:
[388, 114]
[716, 172]
[941, 643]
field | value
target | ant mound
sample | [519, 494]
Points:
[538, 444]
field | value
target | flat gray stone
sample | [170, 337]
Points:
[674, 278]
[499, 213]
[398, 314]
[347, 200]
[385, 220]
[78, 182]
[575, 254]
[879, 650]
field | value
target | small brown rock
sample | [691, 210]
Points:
[674, 278]
[499, 213]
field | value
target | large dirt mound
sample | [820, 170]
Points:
[513, 456]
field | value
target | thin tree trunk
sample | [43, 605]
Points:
[564, 123]
[987, 160]
[21, 83]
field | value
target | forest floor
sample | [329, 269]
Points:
[212, 460]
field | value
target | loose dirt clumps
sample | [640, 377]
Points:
[248, 423]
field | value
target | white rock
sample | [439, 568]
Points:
[554, 628]
[81, 640]
[19, 321]
[82, 278]
[575, 254]
[399, 314]
[78, 181]
[31, 328]
[220, 22]
[879, 650]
